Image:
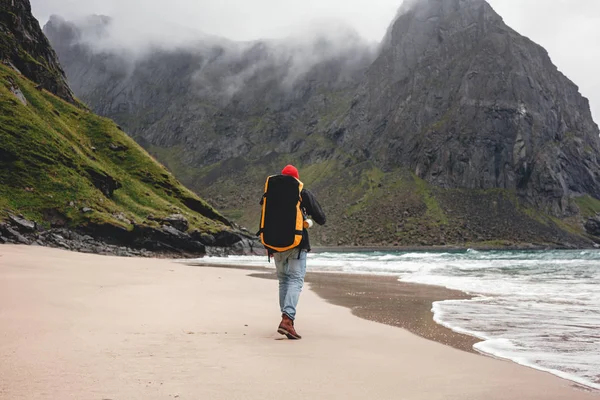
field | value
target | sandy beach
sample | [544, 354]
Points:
[80, 326]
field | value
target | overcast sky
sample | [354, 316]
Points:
[568, 29]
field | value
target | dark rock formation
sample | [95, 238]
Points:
[202, 208]
[11, 234]
[22, 223]
[165, 238]
[177, 221]
[143, 241]
[592, 226]
[24, 47]
[103, 182]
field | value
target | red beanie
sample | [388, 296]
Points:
[291, 171]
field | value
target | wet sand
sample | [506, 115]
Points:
[79, 326]
[386, 300]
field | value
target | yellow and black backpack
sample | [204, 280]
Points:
[281, 218]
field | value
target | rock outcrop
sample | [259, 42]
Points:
[24, 47]
[592, 226]
[143, 241]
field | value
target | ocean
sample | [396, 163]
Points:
[537, 308]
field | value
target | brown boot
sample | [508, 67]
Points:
[286, 327]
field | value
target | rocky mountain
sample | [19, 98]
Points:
[26, 49]
[465, 101]
[72, 179]
[454, 130]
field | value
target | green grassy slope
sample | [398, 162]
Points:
[57, 159]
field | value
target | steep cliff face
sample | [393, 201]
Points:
[466, 102]
[72, 179]
[24, 47]
[458, 130]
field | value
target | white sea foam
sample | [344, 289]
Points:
[539, 309]
[504, 348]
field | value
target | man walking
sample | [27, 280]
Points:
[289, 262]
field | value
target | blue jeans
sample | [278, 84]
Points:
[290, 272]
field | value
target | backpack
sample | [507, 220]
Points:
[281, 217]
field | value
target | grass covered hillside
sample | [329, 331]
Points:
[61, 165]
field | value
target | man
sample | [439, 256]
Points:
[291, 264]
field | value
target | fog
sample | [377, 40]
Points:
[568, 29]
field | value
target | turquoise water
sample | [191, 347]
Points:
[537, 308]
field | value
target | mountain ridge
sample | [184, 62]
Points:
[442, 61]
[455, 108]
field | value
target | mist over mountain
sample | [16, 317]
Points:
[455, 129]
[216, 67]
[74, 180]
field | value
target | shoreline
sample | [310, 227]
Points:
[386, 300]
[389, 301]
[85, 326]
[382, 299]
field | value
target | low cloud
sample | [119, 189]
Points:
[286, 61]
[239, 20]
[224, 67]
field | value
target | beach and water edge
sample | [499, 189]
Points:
[77, 324]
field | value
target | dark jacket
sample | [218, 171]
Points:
[311, 208]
